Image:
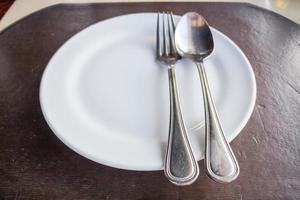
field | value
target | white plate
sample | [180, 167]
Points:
[105, 96]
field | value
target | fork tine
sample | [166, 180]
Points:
[171, 34]
[173, 22]
[165, 45]
[158, 46]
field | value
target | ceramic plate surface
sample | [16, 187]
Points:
[106, 97]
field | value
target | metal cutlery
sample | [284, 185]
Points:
[180, 166]
[194, 40]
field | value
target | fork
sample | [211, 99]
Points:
[180, 167]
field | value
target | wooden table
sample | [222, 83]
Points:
[34, 164]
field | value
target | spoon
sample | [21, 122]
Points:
[194, 40]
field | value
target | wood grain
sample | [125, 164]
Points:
[4, 6]
[34, 164]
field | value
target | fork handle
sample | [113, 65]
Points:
[181, 167]
[221, 164]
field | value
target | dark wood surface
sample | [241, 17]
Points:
[34, 164]
[4, 6]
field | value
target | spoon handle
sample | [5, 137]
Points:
[181, 167]
[221, 164]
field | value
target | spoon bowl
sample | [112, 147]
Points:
[193, 37]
